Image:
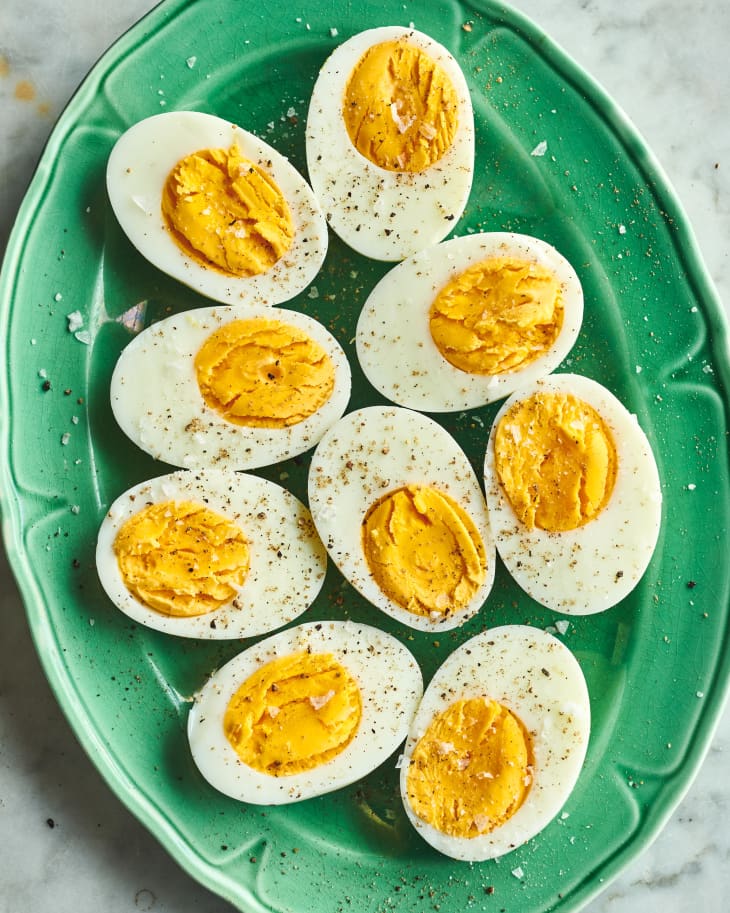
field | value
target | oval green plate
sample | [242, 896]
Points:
[654, 333]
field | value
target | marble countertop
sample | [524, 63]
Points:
[66, 843]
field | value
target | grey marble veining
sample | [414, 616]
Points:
[66, 842]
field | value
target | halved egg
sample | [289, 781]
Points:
[216, 208]
[304, 712]
[400, 511]
[210, 554]
[232, 387]
[574, 494]
[390, 142]
[497, 743]
[468, 321]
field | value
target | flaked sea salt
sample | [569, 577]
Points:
[75, 321]
[319, 701]
[540, 149]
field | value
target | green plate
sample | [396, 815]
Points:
[656, 665]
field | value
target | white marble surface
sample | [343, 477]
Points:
[666, 63]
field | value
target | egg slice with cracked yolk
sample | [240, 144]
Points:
[303, 712]
[469, 321]
[400, 108]
[390, 141]
[264, 373]
[498, 315]
[401, 513]
[497, 743]
[241, 388]
[424, 551]
[472, 768]
[573, 492]
[556, 461]
[210, 554]
[293, 714]
[216, 208]
[181, 558]
[227, 212]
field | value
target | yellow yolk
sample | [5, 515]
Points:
[400, 107]
[424, 551]
[497, 316]
[264, 373]
[556, 461]
[182, 559]
[294, 714]
[471, 770]
[226, 212]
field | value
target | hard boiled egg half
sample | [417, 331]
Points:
[497, 743]
[210, 554]
[390, 142]
[573, 492]
[232, 387]
[306, 711]
[466, 322]
[216, 208]
[401, 513]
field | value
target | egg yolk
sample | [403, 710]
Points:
[497, 316]
[181, 558]
[424, 551]
[400, 108]
[471, 769]
[226, 212]
[264, 373]
[556, 461]
[294, 714]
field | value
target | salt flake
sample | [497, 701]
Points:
[75, 321]
[320, 701]
[540, 149]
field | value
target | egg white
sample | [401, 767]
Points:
[287, 559]
[385, 215]
[157, 402]
[375, 450]
[137, 170]
[536, 677]
[591, 568]
[390, 685]
[394, 344]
